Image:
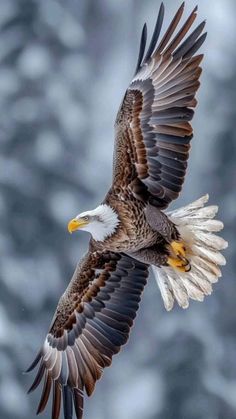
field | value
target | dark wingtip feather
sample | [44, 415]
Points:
[142, 47]
[38, 378]
[196, 46]
[156, 32]
[170, 30]
[56, 403]
[190, 42]
[67, 402]
[78, 402]
[34, 363]
[45, 393]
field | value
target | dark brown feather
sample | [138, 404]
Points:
[56, 401]
[78, 402]
[154, 119]
[45, 392]
[73, 360]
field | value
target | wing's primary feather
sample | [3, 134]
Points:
[156, 33]
[92, 321]
[153, 129]
[142, 47]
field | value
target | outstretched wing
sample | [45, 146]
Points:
[153, 131]
[92, 321]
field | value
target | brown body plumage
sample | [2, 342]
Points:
[129, 229]
[133, 231]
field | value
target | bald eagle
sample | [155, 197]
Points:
[130, 230]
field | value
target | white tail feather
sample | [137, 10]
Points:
[195, 224]
[165, 288]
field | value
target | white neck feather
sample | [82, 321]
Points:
[105, 223]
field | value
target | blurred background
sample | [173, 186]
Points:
[64, 67]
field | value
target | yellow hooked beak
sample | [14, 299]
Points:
[75, 224]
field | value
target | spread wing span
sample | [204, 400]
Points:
[92, 321]
[153, 129]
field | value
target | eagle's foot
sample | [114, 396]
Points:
[180, 263]
[178, 247]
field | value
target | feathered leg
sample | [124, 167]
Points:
[176, 249]
[151, 256]
[159, 255]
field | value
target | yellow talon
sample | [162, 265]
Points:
[178, 248]
[181, 264]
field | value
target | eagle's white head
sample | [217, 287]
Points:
[100, 222]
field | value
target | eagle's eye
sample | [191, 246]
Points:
[86, 218]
